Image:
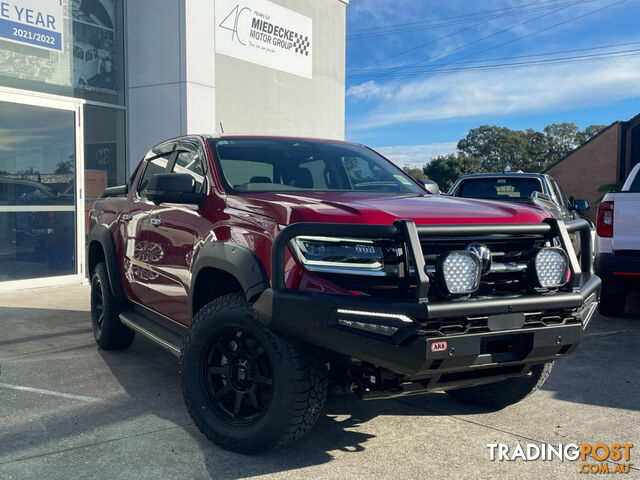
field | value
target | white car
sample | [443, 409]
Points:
[618, 244]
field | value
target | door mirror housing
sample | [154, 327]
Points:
[174, 188]
[581, 205]
[430, 186]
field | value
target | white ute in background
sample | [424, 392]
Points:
[618, 244]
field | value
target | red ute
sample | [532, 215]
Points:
[275, 266]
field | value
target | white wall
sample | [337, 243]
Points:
[254, 99]
[153, 42]
[178, 85]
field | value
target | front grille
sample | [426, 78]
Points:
[505, 250]
[400, 279]
[468, 325]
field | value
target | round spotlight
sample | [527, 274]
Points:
[460, 271]
[551, 267]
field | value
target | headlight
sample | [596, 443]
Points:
[338, 252]
[551, 266]
[460, 272]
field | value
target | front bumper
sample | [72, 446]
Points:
[498, 337]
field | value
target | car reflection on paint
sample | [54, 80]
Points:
[144, 252]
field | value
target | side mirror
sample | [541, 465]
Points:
[541, 196]
[174, 188]
[430, 186]
[581, 205]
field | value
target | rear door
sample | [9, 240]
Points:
[173, 230]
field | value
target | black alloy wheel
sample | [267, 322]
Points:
[97, 304]
[108, 330]
[238, 376]
[247, 388]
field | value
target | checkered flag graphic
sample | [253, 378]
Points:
[301, 44]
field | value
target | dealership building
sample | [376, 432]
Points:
[87, 87]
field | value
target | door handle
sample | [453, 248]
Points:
[127, 217]
[155, 222]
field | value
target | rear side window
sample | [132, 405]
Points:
[500, 188]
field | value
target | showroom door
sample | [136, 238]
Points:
[41, 241]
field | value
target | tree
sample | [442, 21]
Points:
[497, 148]
[489, 148]
[590, 132]
[416, 173]
[446, 169]
[64, 167]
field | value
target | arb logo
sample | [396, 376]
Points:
[439, 346]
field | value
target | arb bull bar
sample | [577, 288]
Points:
[506, 347]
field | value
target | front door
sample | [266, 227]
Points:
[38, 196]
[173, 229]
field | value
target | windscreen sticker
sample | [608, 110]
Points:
[403, 180]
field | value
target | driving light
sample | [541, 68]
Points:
[551, 267]
[337, 252]
[460, 271]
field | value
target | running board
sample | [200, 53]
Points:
[154, 331]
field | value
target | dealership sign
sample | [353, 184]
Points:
[33, 22]
[266, 34]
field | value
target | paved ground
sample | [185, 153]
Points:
[68, 410]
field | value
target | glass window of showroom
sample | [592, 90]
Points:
[62, 129]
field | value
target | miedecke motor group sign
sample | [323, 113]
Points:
[266, 34]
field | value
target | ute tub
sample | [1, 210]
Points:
[408, 347]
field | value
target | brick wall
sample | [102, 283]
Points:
[583, 171]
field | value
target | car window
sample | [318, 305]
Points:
[78, 52]
[162, 149]
[363, 174]
[277, 165]
[635, 185]
[562, 197]
[189, 161]
[242, 172]
[499, 188]
[154, 166]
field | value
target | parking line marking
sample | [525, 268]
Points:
[597, 334]
[52, 393]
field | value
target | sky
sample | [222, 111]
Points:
[421, 73]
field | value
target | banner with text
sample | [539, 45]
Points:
[261, 32]
[38, 23]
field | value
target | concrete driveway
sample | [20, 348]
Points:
[68, 410]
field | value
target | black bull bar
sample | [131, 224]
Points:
[312, 317]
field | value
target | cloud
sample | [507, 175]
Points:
[416, 156]
[494, 92]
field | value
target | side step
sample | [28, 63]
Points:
[160, 334]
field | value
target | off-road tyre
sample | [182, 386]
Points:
[108, 330]
[278, 413]
[504, 393]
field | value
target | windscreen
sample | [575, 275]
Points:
[499, 188]
[279, 165]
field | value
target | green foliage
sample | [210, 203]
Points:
[611, 187]
[446, 169]
[65, 167]
[416, 173]
[489, 148]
